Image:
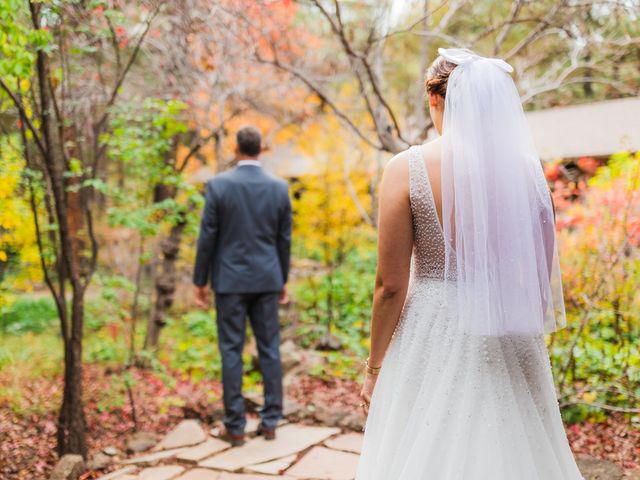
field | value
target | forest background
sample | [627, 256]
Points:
[114, 113]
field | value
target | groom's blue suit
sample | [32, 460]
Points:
[244, 247]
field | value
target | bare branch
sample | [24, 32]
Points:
[410, 28]
[453, 10]
[338, 27]
[536, 32]
[195, 148]
[23, 116]
[557, 85]
[114, 44]
[123, 74]
[58, 296]
[441, 36]
[354, 196]
[500, 38]
[322, 95]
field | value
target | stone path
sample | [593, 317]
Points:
[299, 451]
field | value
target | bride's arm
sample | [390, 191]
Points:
[395, 243]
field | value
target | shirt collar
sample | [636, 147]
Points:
[255, 163]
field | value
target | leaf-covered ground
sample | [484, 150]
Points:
[27, 437]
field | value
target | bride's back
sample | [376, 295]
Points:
[432, 157]
[425, 203]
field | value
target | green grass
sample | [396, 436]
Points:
[41, 352]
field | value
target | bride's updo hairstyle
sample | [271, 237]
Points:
[438, 75]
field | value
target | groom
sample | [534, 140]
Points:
[244, 247]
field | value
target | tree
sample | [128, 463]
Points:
[58, 56]
[330, 206]
[555, 46]
[153, 197]
[196, 59]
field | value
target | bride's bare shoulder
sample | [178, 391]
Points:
[396, 172]
[398, 164]
[399, 160]
[431, 151]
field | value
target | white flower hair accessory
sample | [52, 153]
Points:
[463, 56]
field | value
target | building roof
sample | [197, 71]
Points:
[592, 129]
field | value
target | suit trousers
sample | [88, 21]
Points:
[232, 312]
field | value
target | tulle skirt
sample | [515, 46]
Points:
[449, 406]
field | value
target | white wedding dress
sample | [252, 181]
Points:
[450, 405]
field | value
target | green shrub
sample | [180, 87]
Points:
[338, 302]
[200, 324]
[190, 345]
[28, 315]
[596, 359]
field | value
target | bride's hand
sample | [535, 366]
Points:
[367, 391]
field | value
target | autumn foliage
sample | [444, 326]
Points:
[114, 114]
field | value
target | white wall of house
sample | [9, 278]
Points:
[592, 129]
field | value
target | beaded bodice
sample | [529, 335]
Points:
[429, 248]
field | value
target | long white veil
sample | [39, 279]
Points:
[498, 217]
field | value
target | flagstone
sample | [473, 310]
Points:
[165, 472]
[206, 474]
[187, 433]
[290, 439]
[273, 467]
[349, 442]
[204, 450]
[199, 474]
[251, 476]
[326, 464]
[252, 425]
[153, 457]
[118, 474]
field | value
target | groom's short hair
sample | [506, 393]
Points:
[249, 141]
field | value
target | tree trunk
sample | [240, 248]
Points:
[71, 421]
[165, 283]
[136, 301]
[218, 140]
[165, 276]
[71, 433]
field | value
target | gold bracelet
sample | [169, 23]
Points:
[371, 370]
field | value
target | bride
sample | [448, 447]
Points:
[468, 282]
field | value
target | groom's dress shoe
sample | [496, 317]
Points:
[267, 433]
[234, 440]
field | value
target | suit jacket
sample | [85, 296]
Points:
[245, 233]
